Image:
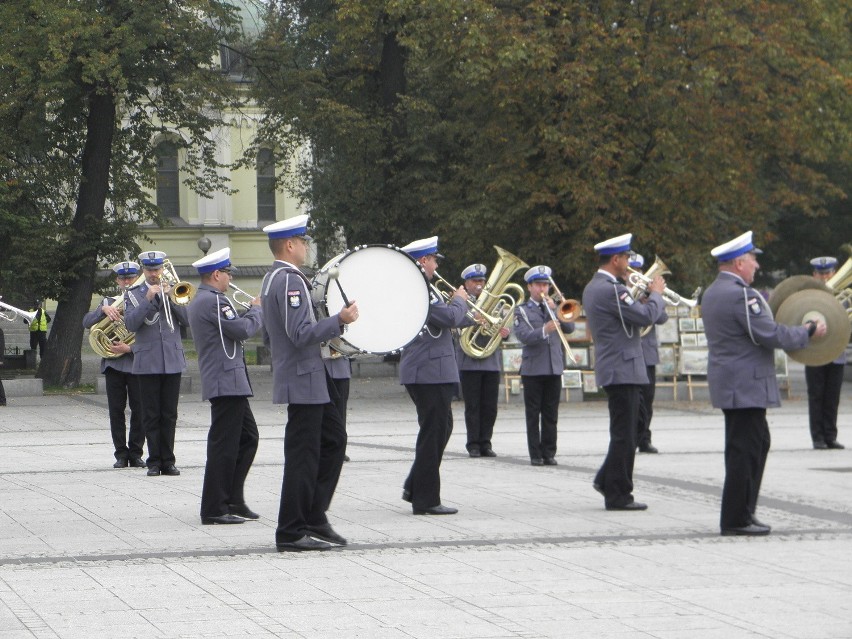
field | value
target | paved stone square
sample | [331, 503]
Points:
[90, 551]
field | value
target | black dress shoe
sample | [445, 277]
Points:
[474, 452]
[305, 543]
[154, 471]
[440, 509]
[241, 510]
[536, 461]
[648, 448]
[171, 470]
[757, 522]
[222, 519]
[406, 495]
[488, 453]
[346, 458]
[549, 461]
[752, 530]
[820, 446]
[835, 445]
[327, 533]
[136, 462]
[633, 505]
[120, 463]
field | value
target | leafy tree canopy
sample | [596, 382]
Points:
[545, 126]
[89, 88]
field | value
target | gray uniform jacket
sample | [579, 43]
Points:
[158, 349]
[468, 363]
[650, 349]
[542, 354]
[123, 364]
[294, 335]
[218, 332]
[431, 358]
[742, 336]
[338, 367]
[615, 323]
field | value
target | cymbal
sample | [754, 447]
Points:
[792, 285]
[814, 304]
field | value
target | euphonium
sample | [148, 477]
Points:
[106, 332]
[495, 305]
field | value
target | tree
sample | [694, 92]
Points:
[546, 126]
[89, 87]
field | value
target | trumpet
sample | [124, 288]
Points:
[238, 292]
[15, 312]
[639, 282]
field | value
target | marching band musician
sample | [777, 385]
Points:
[480, 379]
[315, 434]
[615, 321]
[824, 382]
[742, 337]
[121, 385]
[429, 372]
[652, 357]
[542, 363]
[218, 332]
[158, 360]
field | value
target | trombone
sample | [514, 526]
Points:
[15, 312]
[568, 310]
[240, 292]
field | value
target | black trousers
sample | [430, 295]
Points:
[341, 401]
[159, 395]
[746, 447]
[314, 445]
[480, 390]
[824, 384]
[616, 474]
[38, 339]
[541, 404]
[121, 387]
[646, 407]
[435, 418]
[231, 446]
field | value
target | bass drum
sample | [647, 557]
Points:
[390, 289]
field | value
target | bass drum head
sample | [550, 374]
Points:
[392, 296]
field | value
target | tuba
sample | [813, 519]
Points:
[106, 332]
[495, 307]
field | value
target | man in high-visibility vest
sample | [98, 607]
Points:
[38, 327]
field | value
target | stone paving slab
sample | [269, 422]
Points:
[87, 550]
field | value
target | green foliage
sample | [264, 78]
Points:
[546, 126]
[89, 88]
[154, 59]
